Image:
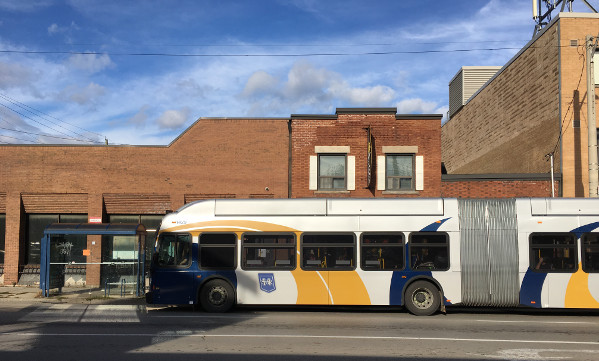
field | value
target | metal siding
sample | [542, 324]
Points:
[489, 252]
[466, 83]
[455, 93]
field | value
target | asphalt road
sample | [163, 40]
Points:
[133, 332]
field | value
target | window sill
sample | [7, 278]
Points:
[401, 192]
[337, 192]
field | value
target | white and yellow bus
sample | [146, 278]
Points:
[423, 254]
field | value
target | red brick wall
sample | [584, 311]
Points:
[498, 189]
[350, 130]
[239, 157]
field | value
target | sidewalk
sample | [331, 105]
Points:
[72, 295]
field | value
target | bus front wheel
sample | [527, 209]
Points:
[422, 298]
[217, 296]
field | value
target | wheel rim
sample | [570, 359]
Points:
[422, 298]
[217, 296]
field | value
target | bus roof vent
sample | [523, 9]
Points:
[270, 207]
[385, 207]
[564, 207]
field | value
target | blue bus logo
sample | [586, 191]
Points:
[267, 282]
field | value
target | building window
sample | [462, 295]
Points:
[590, 252]
[217, 251]
[553, 252]
[332, 169]
[333, 252]
[268, 251]
[382, 251]
[331, 172]
[399, 172]
[37, 223]
[429, 251]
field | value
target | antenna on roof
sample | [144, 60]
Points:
[541, 19]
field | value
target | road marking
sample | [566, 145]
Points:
[337, 337]
[535, 354]
[207, 316]
[542, 322]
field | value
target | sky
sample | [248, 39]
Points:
[140, 72]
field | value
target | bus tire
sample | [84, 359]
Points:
[422, 298]
[217, 296]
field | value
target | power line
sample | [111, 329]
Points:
[44, 135]
[405, 52]
[25, 116]
[34, 111]
[8, 136]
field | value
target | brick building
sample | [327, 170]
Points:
[362, 153]
[535, 105]
[214, 158]
[404, 158]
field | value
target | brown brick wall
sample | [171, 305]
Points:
[350, 130]
[574, 103]
[528, 111]
[514, 121]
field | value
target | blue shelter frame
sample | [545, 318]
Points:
[52, 273]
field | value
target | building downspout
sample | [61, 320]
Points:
[289, 161]
[591, 45]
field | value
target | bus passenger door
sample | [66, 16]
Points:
[172, 274]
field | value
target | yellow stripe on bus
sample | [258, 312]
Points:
[577, 292]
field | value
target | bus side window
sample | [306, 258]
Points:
[331, 251]
[263, 251]
[173, 250]
[218, 250]
[382, 252]
[553, 252]
[429, 251]
[590, 252]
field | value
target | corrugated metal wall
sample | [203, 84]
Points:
[489, 252]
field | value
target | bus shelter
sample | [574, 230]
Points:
[115, 252]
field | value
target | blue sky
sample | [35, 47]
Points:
[141, 72]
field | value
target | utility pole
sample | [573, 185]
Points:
[591, 46]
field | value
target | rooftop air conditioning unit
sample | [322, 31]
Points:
[468, 81]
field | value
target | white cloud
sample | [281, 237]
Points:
[260, 83]
[87, 95]
[14, 75]
[139, 119]
[91, 63]
[173, 119]
[24, 6]
[417, 106]
[374, 96]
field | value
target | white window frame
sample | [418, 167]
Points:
[381, 174]
[350, 167]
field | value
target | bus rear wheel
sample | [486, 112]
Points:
[422, 298]
[217, 296]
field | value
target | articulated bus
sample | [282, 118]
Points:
[422, 254]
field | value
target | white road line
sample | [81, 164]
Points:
[207, 317]
[543, 322]
[335, 337]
